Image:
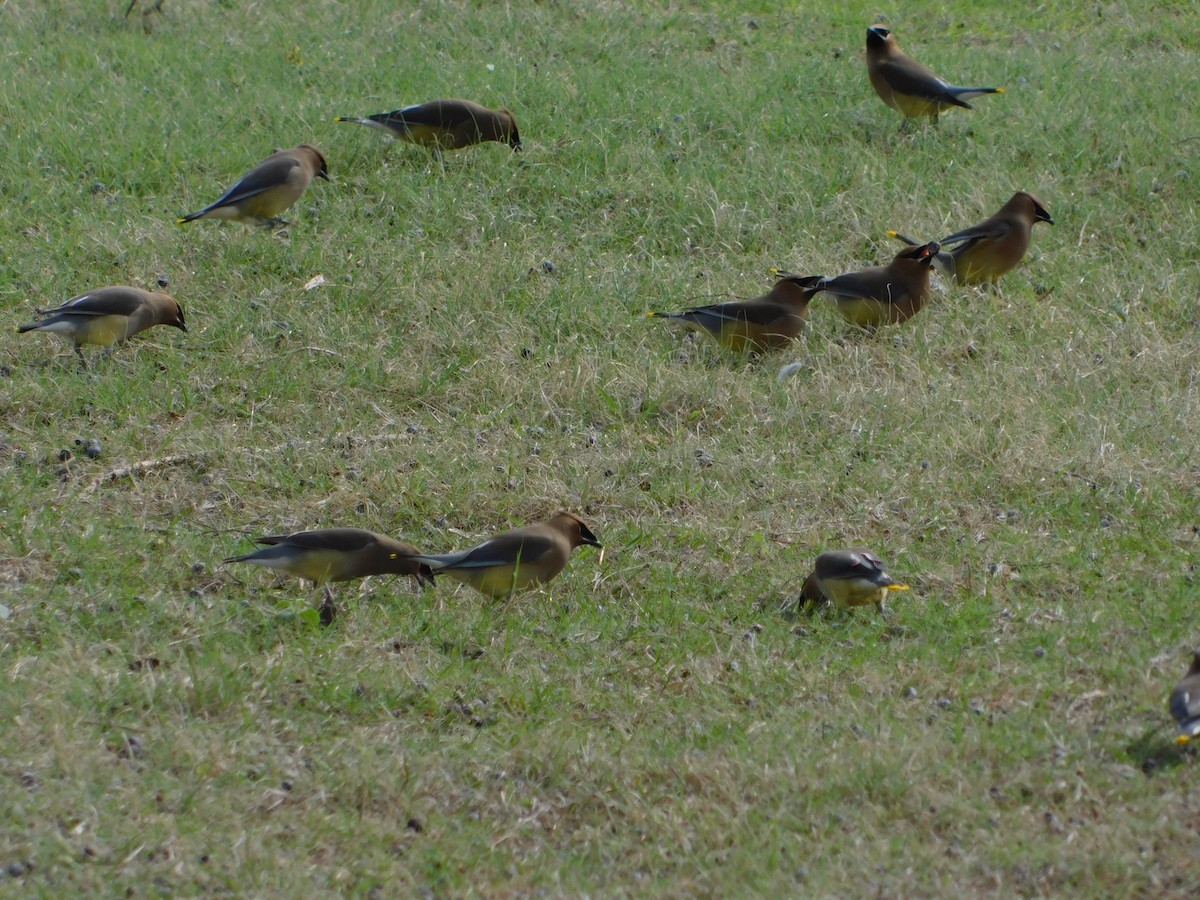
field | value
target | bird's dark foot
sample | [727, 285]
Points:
[328, 611]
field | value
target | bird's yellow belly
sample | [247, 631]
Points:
[102, 330]
[422, 134]
[320, 566]
[916, 106]
[849, 593]
[986, 261]
[866, 313]
[271, 203]
[498, 581]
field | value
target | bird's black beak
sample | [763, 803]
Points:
[585, 535]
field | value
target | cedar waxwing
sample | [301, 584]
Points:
[904, 84]
[1185, 703]
[446, 124]
[884, 295]
[268, 189]
[336, 554]
[849, 578]
[518, 559]
[765, 323]
[108, 316]
[986, 251]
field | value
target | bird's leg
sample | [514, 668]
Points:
[276, 222]
[328, 608]
[132, 4]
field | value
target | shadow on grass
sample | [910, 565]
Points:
[1153, 752]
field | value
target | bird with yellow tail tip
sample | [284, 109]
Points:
[849, 578]
[336, 554]
[108, 316]
[905, 85]
[1185, 703]
[769, 322]
[445, 124]
[268, 189]
[982, 253]
[516, 560]
[884, 295]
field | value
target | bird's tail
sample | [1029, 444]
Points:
[962, 94]
[435, 562]
[902, 238]
[192, 216]
[370, 123]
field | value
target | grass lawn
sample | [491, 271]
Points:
[478, 356]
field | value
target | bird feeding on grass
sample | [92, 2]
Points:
[849, 578]
[445, 124]
[336, 554]
[268, 189]
[982, 253]
[769, 322]
[108, 316]
[516, 560]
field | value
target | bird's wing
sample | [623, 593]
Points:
[988, 229]
[430, 115]
[863, 285]
[1185, 704]
[914, 80]
[504, 550]
[104, 302]
[341, 540]
[264, 177]
[756, 313]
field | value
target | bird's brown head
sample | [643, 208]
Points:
[799, 288]
[878, 38]
[924, 255]
[576, 530]
[322, 166]
[173, 313]
[1040, 213]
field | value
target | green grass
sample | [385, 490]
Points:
[653, 723]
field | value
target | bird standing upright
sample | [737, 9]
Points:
[905, 85]
[884, 295]
[1185, 703]
[108, 316]
[848, 578]
[518, 559]
[336, 554]
[984, 252]
[268, 189]
[446, 124]
[769, 322]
